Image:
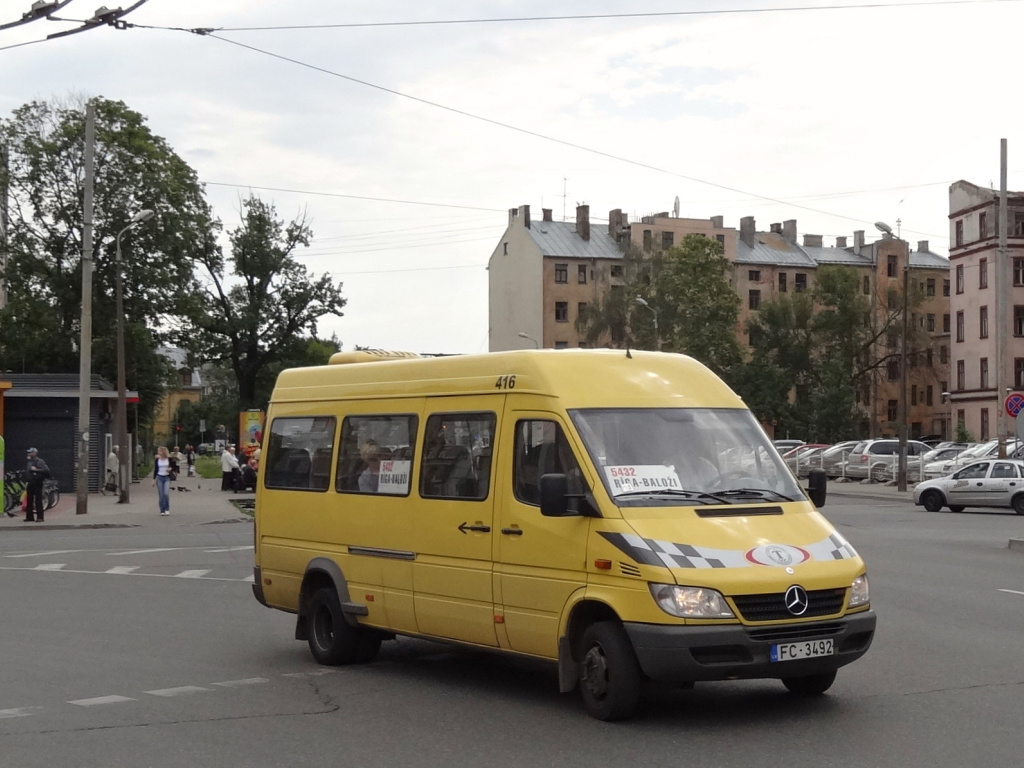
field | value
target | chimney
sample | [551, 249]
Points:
[526, 216]
[546, 213]
[717, 222]
[512, 213]
[789, 231]
[747, 231]
[922, 246]
[813, 241]
[614, 222]
[776, 229]
[858, 241]
[583, 221]
[840, 242]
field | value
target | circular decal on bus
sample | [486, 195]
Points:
[778, 555]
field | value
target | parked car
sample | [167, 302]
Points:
[785, 445]
[804, 457]
[975, 452]
[879, 458]
[989, 483]
[833, 457]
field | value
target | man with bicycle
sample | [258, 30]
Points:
[37, 472]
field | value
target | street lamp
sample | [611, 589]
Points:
[657, 336]
[523, 335]
[125, 455]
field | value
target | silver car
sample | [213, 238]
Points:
[989, 483]
[878, 458]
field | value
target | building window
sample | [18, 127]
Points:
[893, 368]
[959, 374]
[928, 356]
[720, 238]
[867, 285]
[891, 267]
[984, 425]
[561, 273]
[581, 309]
[800, 282]
[945, 287]
[983, 322]
[960, 326]
[754, 300]
[960, 417]
[943, 354]
[913, 394]
[581, 273]
[754, 275]
[929, 395]
[982, 225]
[958, 229]
[782, 282]
[616, 270]
[667, 238]
[930, 323]
[929, 287]
[892, 411]
[959, 278]
[561, 345]
[1018, 271]
[1018, 224]
[504, 249]
[945, 323]
[1018, 321]
[983, 371]
[1018, 373]
[647, 240]
[983, 273]
[561, 311]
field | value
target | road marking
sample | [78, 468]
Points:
[51, 552]
[1012, 591]
[197, 574]
[144, 551]
[229, 549]
[122, 569]
[251, 578]
[314, 673]
[19, 712]
[240, 683]
[100, 700]
[49, 567]
[247, 579]
[179, 691]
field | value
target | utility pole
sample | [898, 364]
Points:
[3, 225]
[85, 346]
[1001, 321]
[901, 473]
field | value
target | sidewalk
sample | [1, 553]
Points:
[203, 502]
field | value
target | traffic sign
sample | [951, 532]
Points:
[1014, 403]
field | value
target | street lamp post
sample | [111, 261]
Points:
[124, 454]
[657, 336]
[524, 335]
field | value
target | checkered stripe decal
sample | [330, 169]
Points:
[673, 555]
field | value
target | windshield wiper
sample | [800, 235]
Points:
[667, 492]
[747, 492]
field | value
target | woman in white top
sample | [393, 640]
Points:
[165, 469]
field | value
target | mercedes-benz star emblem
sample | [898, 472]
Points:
[796, 600]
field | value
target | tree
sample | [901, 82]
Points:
[134, 169]
[252, 319]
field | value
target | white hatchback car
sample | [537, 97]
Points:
[989, 483]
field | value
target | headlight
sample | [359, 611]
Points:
[859, 592]
[691, 602]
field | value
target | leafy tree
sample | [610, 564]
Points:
[44, 177]
[251, 320]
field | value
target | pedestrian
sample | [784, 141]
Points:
[37, 472]
[112, 478]
[165, 469]
[190, 458]
[229, 469]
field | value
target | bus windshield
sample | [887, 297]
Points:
[658, 456]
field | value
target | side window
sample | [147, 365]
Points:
[973, 471]
[376, 454]
[298, 454]
[1002, 469]
[541, 449]
[456, 460]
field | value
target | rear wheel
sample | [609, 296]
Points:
[610, 677]
[1018, 503]
[932, 501]
[332, 640]
[956, 508]
[810, 685]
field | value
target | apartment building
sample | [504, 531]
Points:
[987, 305]
[543, 273]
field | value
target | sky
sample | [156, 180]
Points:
[406, 143]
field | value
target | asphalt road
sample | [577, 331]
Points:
[141, 647]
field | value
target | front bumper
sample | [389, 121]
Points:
[681, 654]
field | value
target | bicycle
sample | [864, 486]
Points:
[51, 493]
[14, 487]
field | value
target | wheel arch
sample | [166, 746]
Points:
[321, 572]
[935, 492]
[580, 614]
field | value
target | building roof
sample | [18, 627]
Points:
[929, 260]
[772, 248]
[837, 256]
[559, 238]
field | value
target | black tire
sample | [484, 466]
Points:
[932, 501]
[1018, 503]
[610, 677]
[332, 640]
[956, 508]
[810, 685]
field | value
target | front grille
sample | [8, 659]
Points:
[821, 602]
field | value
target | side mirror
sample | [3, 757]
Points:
[817, 487]
[554, 496]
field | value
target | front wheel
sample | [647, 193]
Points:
[810, 685]
[332, 640]
[932, 501]
[610, 677]
[1018, 503]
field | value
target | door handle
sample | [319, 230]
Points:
[512, 531]
[479, 527]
